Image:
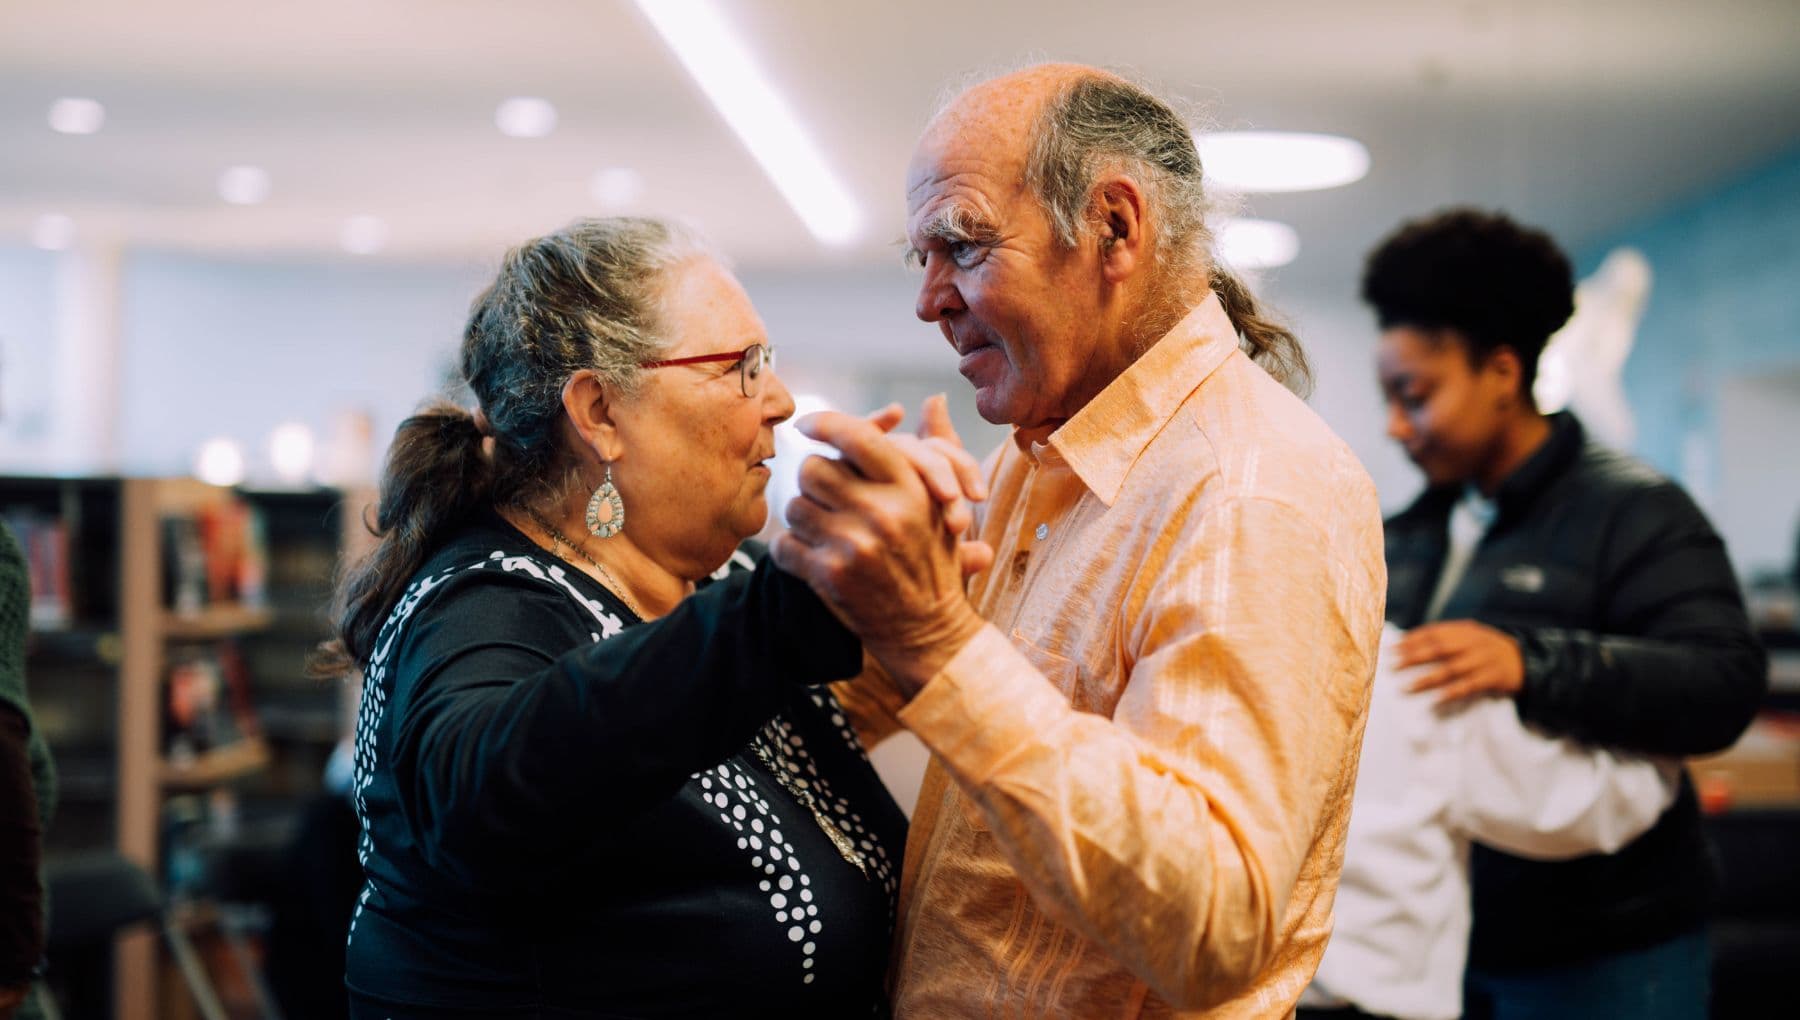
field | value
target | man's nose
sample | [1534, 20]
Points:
[938, 296]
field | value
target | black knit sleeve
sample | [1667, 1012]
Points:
[508, 741]
[21, 895]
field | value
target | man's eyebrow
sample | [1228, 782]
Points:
[953, 223]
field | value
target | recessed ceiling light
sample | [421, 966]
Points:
[72, 115]
[616, 187]
[364, 235]
[53, 232]
[1256, 244]
[525, 117]
[244, 185]
[220, 462]
[762, 119]
[1266, 161]
[291, 452]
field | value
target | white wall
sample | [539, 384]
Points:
[1758, 499]
[27, 331]
[236, 348]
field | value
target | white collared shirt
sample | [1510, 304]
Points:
[1430, 783]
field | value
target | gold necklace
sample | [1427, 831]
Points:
[612, 583]
[845, 848]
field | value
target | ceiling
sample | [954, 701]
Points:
[1582, 117]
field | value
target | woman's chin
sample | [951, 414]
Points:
[755, 516]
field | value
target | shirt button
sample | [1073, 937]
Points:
[1043, 532]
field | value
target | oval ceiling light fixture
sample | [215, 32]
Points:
[525, 117]
[73, 115]
[616, 187]
[244, 185]
[53, 232]
[364, 235]
[1271, 161]
[1248, 244]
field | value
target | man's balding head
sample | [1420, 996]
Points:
[1002, 113]
[1059, 215]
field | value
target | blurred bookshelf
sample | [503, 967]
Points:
[171, 623]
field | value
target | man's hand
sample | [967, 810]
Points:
[1471, 659]
[868, 534]
[951, 474]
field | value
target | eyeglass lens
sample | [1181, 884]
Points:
[750, 370]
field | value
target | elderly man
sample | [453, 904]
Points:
[1145, 716]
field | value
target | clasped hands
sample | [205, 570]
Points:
[879, 534]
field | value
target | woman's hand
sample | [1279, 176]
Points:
[869, 535]
[950, 473]
[1471, 660]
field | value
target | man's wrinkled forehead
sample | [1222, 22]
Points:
[963, 174]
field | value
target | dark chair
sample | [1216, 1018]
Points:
[96, 896]
[1756, 926]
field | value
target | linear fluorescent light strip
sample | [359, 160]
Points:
[762, 120]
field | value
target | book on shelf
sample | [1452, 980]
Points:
[217, 554]
[45, 542]
[208, 703]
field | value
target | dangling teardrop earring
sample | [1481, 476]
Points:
[605, 523]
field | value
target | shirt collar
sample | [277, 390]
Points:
[1105, 438]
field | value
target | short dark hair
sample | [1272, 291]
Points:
[1494, 281]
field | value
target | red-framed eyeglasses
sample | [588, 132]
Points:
[751, 362]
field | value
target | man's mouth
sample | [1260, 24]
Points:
[965, 345]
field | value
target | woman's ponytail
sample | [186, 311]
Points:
[438, 475]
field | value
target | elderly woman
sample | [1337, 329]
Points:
[597, 772]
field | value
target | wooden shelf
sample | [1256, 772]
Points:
[121, 624]
[96, 644]
[215, 622]
[217, 766]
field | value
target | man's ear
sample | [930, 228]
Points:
[589, 404]
[1120, 217]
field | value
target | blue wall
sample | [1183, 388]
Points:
[1725, 303]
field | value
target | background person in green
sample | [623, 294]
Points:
[1542, 567]
[27, 794]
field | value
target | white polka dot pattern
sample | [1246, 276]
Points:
[729, 788]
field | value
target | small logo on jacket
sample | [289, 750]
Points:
[1523, 577]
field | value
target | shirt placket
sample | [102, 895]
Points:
[1036, 530]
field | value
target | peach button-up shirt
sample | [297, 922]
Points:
[1142, 766]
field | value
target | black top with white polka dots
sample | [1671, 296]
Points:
[563, 813]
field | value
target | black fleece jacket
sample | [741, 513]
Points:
[1635, 637]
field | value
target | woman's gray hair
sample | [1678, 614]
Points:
[1099, 123]
[586, 297]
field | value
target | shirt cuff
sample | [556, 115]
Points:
[987, 703]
